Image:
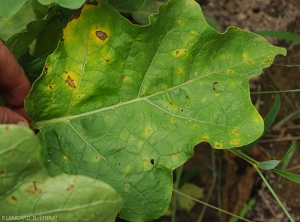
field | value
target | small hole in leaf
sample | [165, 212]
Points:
[152, 161]
[181, 110]
[214, 84]
[256, 10]
[101, 35]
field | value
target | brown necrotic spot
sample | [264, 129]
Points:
[76, 15]
[14, 198]
[101, 35]
[70, 187]
[70, 82]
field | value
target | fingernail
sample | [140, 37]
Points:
[21, 123]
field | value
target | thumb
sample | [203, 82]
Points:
[8, 116]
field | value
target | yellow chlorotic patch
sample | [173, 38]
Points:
[50, 87]
[196, 127]
[258, 117]
[127, 169]
[175, 157]
[236, 132]
[64, 158]
[230, 71]
[108, 57]
[126, 187]
[218, 145]
[250, 62]
[234, 142]
[97, 158]
[266, 61]
[148, 131]
[245, 56]
[204, 138]
[192, 34]
[221, 57]
[71, 79]
[47, 68]
[180, 71]
[204, 100]
[164, 87]
[141, 144]
[173, 119]
[100, 35]
[177, 53]
[127, 80]
[180, 22]
[217, 94]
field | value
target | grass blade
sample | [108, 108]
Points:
[281, 35]
[288, 175]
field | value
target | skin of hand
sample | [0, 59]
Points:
[14, 88]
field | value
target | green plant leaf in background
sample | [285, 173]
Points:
[27, 190]
[8, 7]
[20, 42]
[150, 7]
[30, 11]
[127, 6]
[127, 104]
[74, 4]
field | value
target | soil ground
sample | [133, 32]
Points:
[235, 178]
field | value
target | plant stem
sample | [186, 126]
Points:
[214, 178]
[178, 177]
[211, 206]
[254, 163]
[273, 193]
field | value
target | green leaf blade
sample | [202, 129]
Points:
[127, 104]
[26, 190]
[8, 8]
[74, 4]
[288, 175]
[268, 165]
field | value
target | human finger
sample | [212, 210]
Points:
[7, 116]
[14, 85]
